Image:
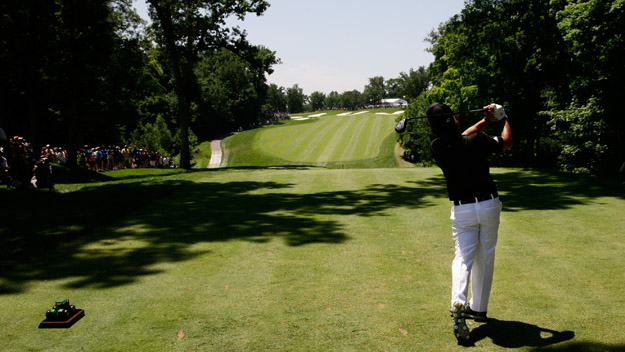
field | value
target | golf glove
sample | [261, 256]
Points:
[498, 111]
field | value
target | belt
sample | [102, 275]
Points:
[476, 199]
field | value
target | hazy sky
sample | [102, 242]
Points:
[328, 45]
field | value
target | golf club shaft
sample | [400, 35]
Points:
[453, 113]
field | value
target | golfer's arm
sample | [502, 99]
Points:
[477, 128]
[506, 133]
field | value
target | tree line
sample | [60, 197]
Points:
[407, 86]
[92, 72]
[79, 72]
[556, 66]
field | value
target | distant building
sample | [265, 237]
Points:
[395, 103]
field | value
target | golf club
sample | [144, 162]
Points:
[401, 125]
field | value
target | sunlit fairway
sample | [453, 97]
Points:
[334, 139]
[329, 138]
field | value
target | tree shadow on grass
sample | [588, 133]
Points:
[111, 235]
[551, 190]
[514, 334]
[541, 189]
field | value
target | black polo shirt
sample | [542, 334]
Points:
[464, 162]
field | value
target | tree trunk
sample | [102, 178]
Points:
[183, 116]
[164, 15]
[73, 128]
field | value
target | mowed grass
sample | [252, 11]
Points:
[306, 260]
[337, 139]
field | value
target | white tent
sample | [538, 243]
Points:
[395, 102]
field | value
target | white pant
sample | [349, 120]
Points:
[474, 229]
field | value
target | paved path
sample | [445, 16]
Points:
[215, 154]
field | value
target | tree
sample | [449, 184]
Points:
[375, 91]
[58, 53]
[413, 83]
[594, 35]
[232, 91]
[295, 99]
[185, 29]
[155, 137]
[394, 88]
[317, 101]
[416, 140]
[333, 100]
[351, 99]
[583, 137]
[78, 71]
[276, 99]
[506, 51]
[28, 33]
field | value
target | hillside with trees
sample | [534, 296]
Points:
[81, 72]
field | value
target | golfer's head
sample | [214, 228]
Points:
[441, 119]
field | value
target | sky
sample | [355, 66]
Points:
[337, 45]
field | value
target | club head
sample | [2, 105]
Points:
[401, 126]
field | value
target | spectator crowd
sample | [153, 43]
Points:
[104, 158]
[23, 168]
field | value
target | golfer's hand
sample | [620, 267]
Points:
[488, 114]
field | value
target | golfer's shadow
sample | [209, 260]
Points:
[514, 334]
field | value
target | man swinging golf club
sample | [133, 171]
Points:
[462, 156]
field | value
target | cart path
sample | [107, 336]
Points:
[215, 161]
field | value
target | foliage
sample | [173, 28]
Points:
[90, 72]
[582, 135]
[317, 101]
[186, 29]
[155, 137]
[232, 91]
[333, 100]
[375, 91]
[412, 84]
[416, 139]
[295, 99]
[351, 99]
[541, 60]
[276, 99]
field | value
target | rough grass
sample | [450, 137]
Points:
[305, 260]
[202, 155]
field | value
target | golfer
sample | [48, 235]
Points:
[462, 156]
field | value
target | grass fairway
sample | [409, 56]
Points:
[336, 139]
[305, 260]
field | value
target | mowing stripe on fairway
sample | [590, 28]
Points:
[328, 139]
[348, 152]
[327, 128]
[337, 143]
[372, 149]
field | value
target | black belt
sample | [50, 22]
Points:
[476, 199]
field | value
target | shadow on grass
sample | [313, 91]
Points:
[550, 190]
[108, 235]
[514, 334]
[542, 189]
[113, 234]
